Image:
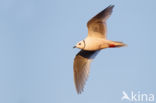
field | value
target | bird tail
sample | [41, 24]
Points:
[114, 44]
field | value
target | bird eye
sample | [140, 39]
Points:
[79, 43]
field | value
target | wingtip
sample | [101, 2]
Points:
[109, 9]
[111, 6]
[79, 92]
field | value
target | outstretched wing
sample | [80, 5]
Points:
[82, 67]
[97, 25]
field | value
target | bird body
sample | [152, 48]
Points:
[95, 44]
[91, 45]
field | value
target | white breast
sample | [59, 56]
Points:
[92, 43]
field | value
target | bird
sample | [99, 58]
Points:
[91, 46]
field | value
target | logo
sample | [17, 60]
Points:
[137, 97]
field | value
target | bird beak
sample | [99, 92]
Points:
[74, 47]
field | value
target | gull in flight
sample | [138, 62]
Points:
[91, 45]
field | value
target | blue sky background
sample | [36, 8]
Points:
[36, 54]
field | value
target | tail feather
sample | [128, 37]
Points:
[114, 44]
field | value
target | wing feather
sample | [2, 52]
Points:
[82, 67]
[97, 25]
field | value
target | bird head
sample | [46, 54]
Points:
[80, 45]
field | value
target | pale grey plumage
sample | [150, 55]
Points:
[95, 41]
[81, 68]
[97, 25]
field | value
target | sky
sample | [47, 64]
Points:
[36, 54]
